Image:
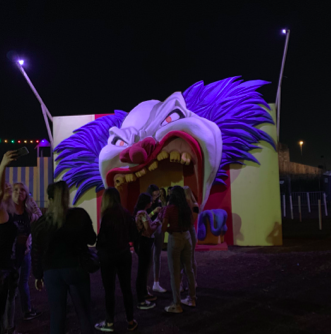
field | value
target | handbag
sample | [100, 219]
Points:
[90, 260]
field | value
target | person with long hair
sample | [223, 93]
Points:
[8, 234]
[163, 197]
[177, 221]
[168, 193]
[26, 212]
[143, 247]
[117, 229]
[58, 240]
[194, 206]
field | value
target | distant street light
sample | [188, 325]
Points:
[301, 143]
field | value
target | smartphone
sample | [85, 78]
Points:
[22, 152]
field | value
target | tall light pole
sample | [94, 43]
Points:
[301, 143]
[278, 95]
[46, 114]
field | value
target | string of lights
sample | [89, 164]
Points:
[20, 141]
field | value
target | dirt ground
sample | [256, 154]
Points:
[243, 290]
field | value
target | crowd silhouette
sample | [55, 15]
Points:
[56, 246]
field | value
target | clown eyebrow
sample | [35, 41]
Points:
[114, 131]
[177, 111]
[116, 138]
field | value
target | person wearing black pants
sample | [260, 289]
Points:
[146, 228]
[144, 257]
[119, 265]
[117, 230]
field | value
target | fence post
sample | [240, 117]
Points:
[284, 206]
[325, 205]
[308, 202]
[319, 214]
[299, 203]
[291, 206]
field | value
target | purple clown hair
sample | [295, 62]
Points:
[80, 153]
[233, 105]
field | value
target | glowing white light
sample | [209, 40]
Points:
[284, 31]
[21, 62]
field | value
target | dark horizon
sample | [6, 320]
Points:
[113, 56]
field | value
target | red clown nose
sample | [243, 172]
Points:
[139, 152]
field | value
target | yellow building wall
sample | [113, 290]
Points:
[255, 196]
[63, 128]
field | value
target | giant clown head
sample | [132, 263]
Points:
[155, 131]
[202, 130]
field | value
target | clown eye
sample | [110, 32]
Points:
[117, 141]
[173, 116]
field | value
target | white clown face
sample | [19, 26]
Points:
[154, 131]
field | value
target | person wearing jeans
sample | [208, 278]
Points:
[191, 201]
[158, 243]
[58, 240]
[180, 252]
[26, 212]
[177, 221]
[76, 281]
[153, 212]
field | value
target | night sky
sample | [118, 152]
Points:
[90, 58]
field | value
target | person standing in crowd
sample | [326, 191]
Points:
[178, 216]
[194, 206]
[145, 228]
[163, 197]
[58, 240]
[117, 229]
[153, 211]
[26, 212]
[24, 273]
[168, 193]
[8, 234]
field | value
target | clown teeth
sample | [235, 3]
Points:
[153, 166]
[162, 155]
[174, 156]
[119, 180]
[185, 159]
[141, 173]
[130, 178]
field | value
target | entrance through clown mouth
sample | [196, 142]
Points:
[165, 175]
[176, 160]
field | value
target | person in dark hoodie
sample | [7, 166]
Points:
[58, 240]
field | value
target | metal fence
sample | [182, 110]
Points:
[305, 205]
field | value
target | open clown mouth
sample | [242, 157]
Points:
[176, 152]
